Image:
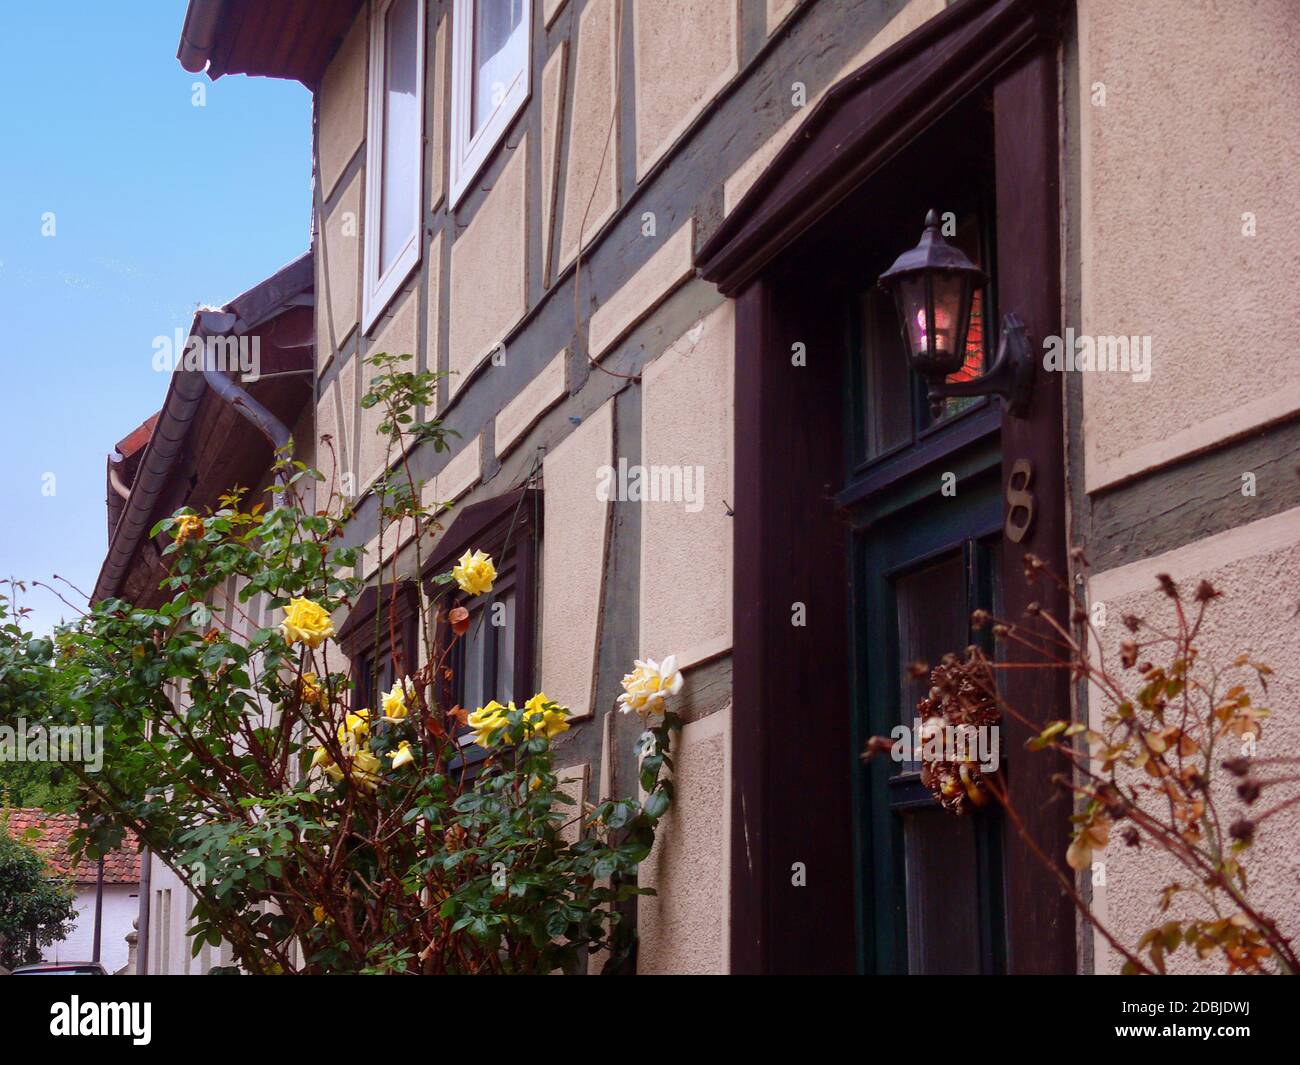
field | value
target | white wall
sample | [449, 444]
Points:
[121, 907]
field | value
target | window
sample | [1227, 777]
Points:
[494, 659]
[491, 60]
[394, 151]
[367, 639]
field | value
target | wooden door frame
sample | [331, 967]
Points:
[791, 763]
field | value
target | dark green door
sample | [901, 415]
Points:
[923, 503]
[931, 880]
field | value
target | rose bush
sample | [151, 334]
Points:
[318, 834]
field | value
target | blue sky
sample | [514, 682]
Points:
[158, 205]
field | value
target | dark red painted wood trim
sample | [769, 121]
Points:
[749, 737]
[865, 119]
[1040, 916]
[790, 799]
[791, 728]
[481, 519]
[358, 629]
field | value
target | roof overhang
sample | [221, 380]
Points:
[867, 118]
[292, 39]
[202, 444]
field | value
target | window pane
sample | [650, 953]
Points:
[932, 620]
[505, 642]
[473, 694]
[499, 47]
[968, 239]
[401, 131]
[943, 917]
[886, 375]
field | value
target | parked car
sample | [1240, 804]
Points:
[61, 968]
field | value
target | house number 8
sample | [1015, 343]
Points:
[1020, 500]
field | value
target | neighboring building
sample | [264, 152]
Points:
[217, 429]
[48, 833]
[735, 176]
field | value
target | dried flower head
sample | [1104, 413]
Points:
[961, 697]
[1205, 591]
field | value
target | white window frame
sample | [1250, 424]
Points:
[376, 291]
[470, 153]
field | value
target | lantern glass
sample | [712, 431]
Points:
[935, 311]
[912, 296]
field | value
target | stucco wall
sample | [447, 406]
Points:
[687, 427]
[685, 928]
[675, 83]
[573, 561]
[341, 110]
[590, 176]
[630, 359]
[488, 273]
[1196, 140]
[1257, 568]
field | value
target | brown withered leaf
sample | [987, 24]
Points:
[1128, 654]
[458, 616]
[459, 713]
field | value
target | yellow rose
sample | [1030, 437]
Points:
[187, 527]
[306, 622]
[354, 729]
[319, 913]
[475, 573]
[310, 691]
[322, 757]
[395, 708]
[543, 717]
[649, 683]
[365, 770]
[358, 724]
[402, 756]
[488, 721]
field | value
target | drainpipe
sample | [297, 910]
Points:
[199, 34]
[115, 479]
[222, 324]
[142, 922]
[99, 908]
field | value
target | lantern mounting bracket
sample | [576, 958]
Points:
[933, 285]
[1011, 376]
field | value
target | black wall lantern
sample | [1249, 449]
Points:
[933, 286]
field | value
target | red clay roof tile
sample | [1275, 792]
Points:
[122, 866]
